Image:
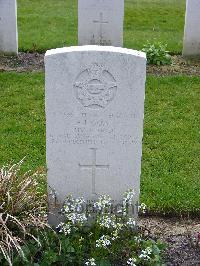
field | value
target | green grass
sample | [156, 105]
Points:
[170, 179]
[171, 147]
[22, 119]
[49, 24]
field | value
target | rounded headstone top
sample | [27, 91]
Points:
[95, 48]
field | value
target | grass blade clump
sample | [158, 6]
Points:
[22, 208]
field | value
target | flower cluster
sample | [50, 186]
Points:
[131, 261]
[131, 222]
[142, 208]
[73, 205]
[129, 195]
[107, 221]
[103, 242]
[103, 204]
[73, 211]
[90, 262]
[76, 215]
[106, 232]
[145, 254]
[64, 228]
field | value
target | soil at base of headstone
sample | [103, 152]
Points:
[35, 62]
[180, 236]
[24, 62]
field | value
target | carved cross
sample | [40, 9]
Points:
[93, 166]
[100, 22]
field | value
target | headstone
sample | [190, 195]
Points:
[94, 120]
[100, 22]
[8, 27]
[191, 45]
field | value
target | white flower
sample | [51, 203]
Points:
[90, 262]
[73, 211]
[103, 242]
[107, 221]
[64, 228]
[131, 222]
[129, 195]
[76, 218]
[145, 254]
[148, 250]
[103, 203]
[142, 208]
[131, 261]
[73, 205]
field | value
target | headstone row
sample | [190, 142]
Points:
[100, 22]
[8, 27]
[191, 44]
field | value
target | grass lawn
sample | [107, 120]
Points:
[171, 152]
[22, 131]
[49, 23]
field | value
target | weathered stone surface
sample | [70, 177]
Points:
[191, 45]
[94, 120]
[100, 22]
[8, 27]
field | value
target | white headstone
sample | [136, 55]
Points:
[94, 120]
[100, 22]
[8, 27]
[191, 45]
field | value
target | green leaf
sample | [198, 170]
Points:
[104, 263]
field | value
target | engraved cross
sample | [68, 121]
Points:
[101, 22]
[93, 167]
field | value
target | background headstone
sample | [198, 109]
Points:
[191, 45]
[94, 120]
[100, 22]
[8, 27]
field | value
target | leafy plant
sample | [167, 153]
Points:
[98, 236]
[108, 235]
[157, 54]
[21, 206]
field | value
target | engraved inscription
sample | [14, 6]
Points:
[100, 22]
[93, 167]
[93, 130]
[95, 87]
